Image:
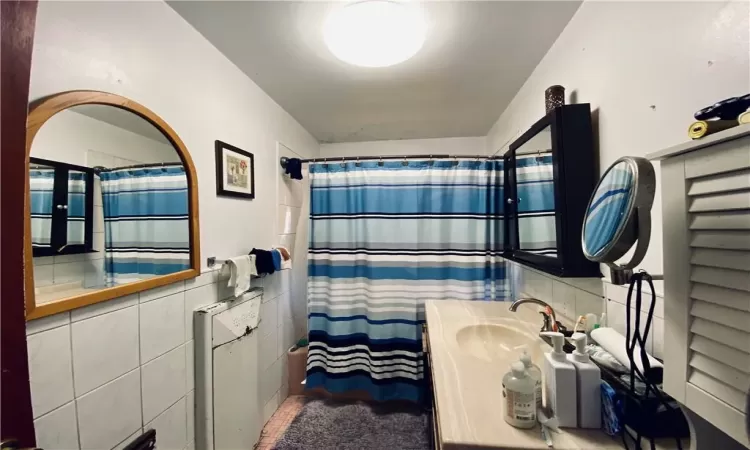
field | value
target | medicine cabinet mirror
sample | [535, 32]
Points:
[111, 202]
[550, 173]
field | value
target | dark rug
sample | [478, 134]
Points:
[328, 424]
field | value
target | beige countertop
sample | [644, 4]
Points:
[469, 356]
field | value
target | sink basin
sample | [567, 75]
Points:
[494, 342]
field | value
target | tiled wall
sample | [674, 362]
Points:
[103, 374]
[573, 297]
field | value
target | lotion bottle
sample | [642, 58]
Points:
[588, 384]
[519, 405]
[560, 382]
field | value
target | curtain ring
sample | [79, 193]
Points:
[380, 163]
[356, 164]
[430, 161]
[404, 163]
[343, 164]
[455, 160]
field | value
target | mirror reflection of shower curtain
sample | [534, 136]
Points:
[41, 183]
[383, 240]
[537, 231]
[146, 225]
[76, 232]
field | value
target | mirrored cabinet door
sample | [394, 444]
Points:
[550, 174]
[61, 208]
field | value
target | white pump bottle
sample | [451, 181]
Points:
[560, 382]
[588, 384]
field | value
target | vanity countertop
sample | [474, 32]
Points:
[469, 356]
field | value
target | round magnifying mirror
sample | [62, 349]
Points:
[619, 213]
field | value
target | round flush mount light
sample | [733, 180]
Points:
[375, 33]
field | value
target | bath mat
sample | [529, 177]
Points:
[328, 424]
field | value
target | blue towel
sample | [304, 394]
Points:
[294, 168]
[276, 255]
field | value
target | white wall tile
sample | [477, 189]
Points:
[190, 446]
[109, 414]
[189, 366]
[163, 291]
[284, 304]
[288, 241]
[617, 319]
[162, 325]
[190, 412]
[270, 381]
[50, 369]
[589, 303]
[163, 382]
[129, 439]
[270, 407]
[285, 278]
[171, 427]
[104, 307]
[288, 219]
[65, 273]
[47, 323]
[57, 429]
[194, 298]
[620, 295]
[94, 274]
[43, 260]
[44, 275]
[208, 277]
[563, 299]
[268, 317]
[286, 338]
[104, 348]
[268, 351]
[272, 285]
[62, 259]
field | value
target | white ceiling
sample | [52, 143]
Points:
[477, 55]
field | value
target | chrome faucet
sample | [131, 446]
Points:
[549, 322]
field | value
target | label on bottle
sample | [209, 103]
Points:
[520, 406]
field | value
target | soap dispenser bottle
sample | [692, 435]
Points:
[560, 382]
[519, 407]
[588, 384]
[535, 373]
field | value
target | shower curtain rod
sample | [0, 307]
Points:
[334, 159]
[98, 169]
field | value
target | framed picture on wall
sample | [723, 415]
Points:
[235, 172]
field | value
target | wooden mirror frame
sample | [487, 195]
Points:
[42, 110]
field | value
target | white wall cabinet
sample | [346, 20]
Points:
[706, 215]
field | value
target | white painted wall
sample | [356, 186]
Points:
[444, 146]
[645, 68]
[74, 138]
[134, 352]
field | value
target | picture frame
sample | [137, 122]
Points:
[235, 171]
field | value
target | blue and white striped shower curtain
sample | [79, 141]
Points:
[146, 228]
[383, 239]
[535, 188]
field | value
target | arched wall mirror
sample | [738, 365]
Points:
[111, 202]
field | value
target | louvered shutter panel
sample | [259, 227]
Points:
[713, 296]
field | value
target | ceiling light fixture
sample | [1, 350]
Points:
[375, 33]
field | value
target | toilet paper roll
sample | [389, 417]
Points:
[614, 342]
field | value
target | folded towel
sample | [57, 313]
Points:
[241, 269]
[263, 261]
[294, 168]
[276, 255]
